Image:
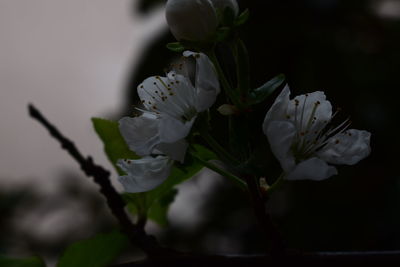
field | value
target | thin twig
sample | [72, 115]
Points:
[101, 176]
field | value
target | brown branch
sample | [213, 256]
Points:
[277, 245]
[101, 176]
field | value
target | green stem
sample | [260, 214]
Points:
[242, 66]
[278, 183]
[219, 149]
[225, 84]
[239, 182]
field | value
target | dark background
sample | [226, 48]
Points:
[351, 53]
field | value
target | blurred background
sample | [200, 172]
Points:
[80, 59]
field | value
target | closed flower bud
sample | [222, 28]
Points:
[227, 109]
[191, 20]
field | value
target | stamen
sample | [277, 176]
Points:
[296, 104]
[302, 112]
[342, 125]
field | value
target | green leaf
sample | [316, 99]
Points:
[242, 18]
[114, 144]
[98, 251]
[158, 211]
[261, 93]
[28, 262]
[176, 47]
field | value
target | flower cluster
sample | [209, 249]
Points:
[170, 107]
[300, 131]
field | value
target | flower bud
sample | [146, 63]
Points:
[191, 20]
[222, 4]
[227, 109]
[264, 185]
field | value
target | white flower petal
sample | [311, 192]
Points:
[144, 174]
[280, 136]
[347, 148]
[278, 109]
[311, 169]
[172, 130]
[173, 95]
[140, 133]
[311, 107]
[206, 81]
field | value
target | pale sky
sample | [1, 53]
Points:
[69, 58]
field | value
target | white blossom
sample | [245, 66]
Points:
[171, 105]
[144, 174]
[302, 137]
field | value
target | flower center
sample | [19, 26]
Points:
[171, 96]
[312, 133]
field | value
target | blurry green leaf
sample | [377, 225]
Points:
[98, 251]
[29, 262]
[114, 144]
[176, 47]
[242, 18]
[261, 93]
[158, 211]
